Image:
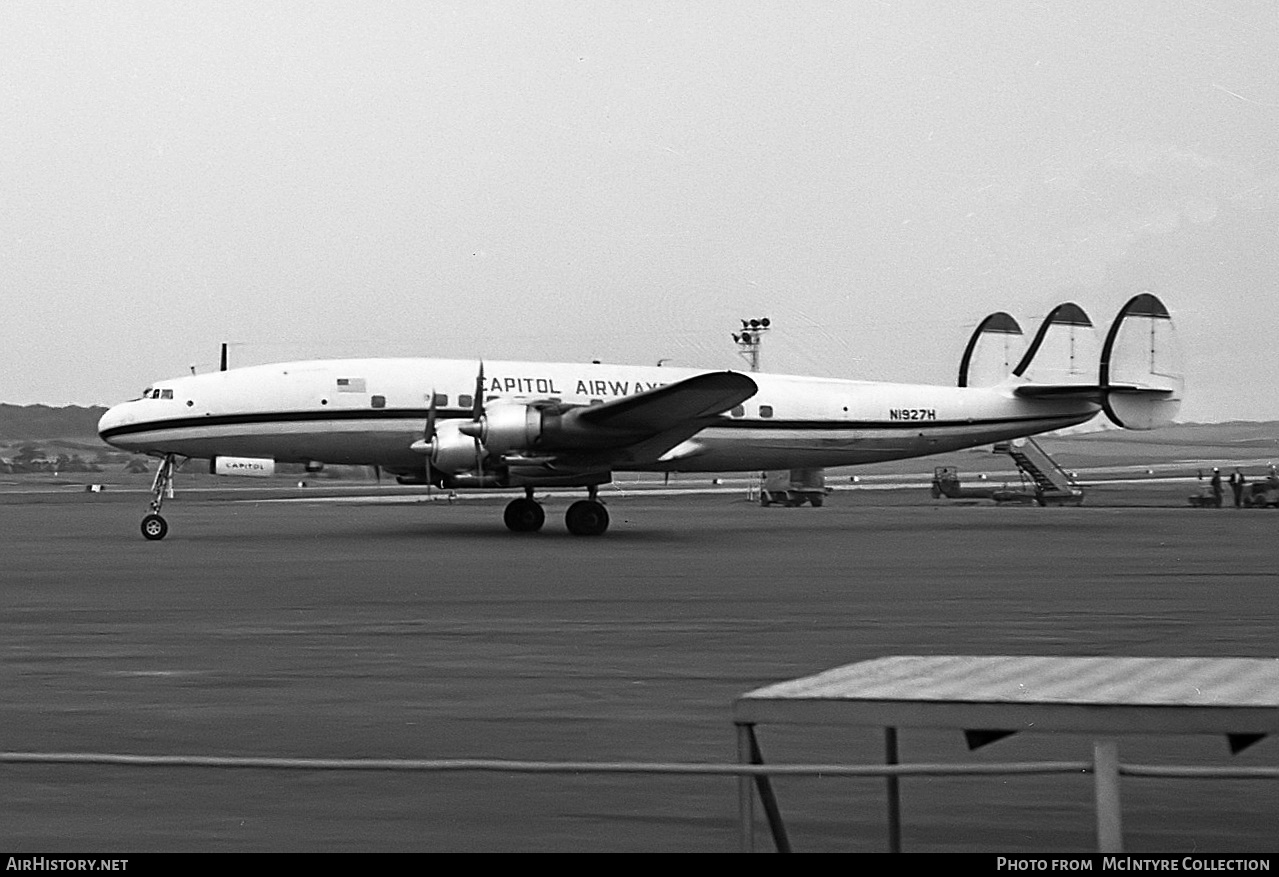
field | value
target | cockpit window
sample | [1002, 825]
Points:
[166, 394]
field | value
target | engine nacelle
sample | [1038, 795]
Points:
[507, 427]
[451, 451]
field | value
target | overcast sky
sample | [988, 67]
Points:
[626, 180]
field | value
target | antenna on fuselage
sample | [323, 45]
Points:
[223, 368]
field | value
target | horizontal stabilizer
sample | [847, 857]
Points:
[1095, 392]
[995, 347]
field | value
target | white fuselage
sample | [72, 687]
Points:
[370, 411]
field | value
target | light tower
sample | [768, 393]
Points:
[790, 487]
[748, 340]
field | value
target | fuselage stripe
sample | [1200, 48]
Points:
[267, 419]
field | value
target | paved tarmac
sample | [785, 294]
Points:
[352, 630]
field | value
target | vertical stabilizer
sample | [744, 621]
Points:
[994, 348]
[1141, 366]
[1064, 350]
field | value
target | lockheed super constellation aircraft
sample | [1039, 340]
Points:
[462, 424]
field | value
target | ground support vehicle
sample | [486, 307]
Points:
[793, 487]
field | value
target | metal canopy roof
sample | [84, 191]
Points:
[1024, 693]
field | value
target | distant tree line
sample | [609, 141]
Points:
[31, 422]
[33, 458]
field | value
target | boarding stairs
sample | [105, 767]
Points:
[1052, 484]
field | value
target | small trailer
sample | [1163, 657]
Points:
[794, 487]
[1263, 494]
[1204, 499]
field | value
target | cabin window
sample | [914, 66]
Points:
[351, 385]
[440, 400]
[766, 411]
[597, 401]
[738, 411]
[378, 401]
[166, 394]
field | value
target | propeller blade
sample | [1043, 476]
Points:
[428, 435]
[477, 413]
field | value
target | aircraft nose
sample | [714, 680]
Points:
[109, 424]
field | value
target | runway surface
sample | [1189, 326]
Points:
[375, 630]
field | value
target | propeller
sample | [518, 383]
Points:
[477, 401]
[428, 431]
[477, 414]
[428, 435]
[429, 443]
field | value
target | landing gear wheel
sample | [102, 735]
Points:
[586, 517]
[524, 516]
[154, 527]
[815, 501]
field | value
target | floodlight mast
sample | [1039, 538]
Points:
[748, 340]
[748, 343]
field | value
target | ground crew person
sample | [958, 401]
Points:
[1216, 486]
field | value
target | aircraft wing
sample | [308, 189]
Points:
[672, 406]
[644, 427]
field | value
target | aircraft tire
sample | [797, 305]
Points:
[586, 517]
[816, 501]
[154, 527]
[524, 516]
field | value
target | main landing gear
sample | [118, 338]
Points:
[525, 515]
[586, 517]
[155, 527]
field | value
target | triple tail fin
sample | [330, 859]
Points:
[1138, 379]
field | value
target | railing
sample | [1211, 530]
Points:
[742, 771]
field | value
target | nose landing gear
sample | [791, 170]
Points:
[155, 527]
